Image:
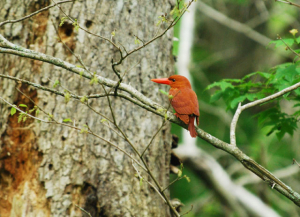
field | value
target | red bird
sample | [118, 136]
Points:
[184, 100]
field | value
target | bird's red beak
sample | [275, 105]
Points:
[162, 81]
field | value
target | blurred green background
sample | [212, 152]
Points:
[220, 52]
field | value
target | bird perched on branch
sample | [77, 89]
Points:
[183, 99]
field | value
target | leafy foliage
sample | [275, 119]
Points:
[13, 111]
[258, 85]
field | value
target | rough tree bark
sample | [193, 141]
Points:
[46, 169]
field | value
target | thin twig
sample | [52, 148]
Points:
[159, 129]
[124, 74]
[69, 49]
[172, 24]
[140, 177]
[278, 36]
[99, 36]
[39, 119]
[175, 180]
[34, 13]
[146, 103]
[94, 96]
[255, 103]
[192, 206]
[105, 117]
[143, 160]
[144, 44]
[295, 162]
[83, 210]
[232, 24]
[79, 129]
[288, 2]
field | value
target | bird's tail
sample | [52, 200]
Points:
[191, 126]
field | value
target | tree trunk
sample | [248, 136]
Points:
[45, 170]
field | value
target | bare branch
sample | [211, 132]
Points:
[255, 103]
[233, 125]
[280, 173]
[233, 24]
[288, 2]
[144, 44]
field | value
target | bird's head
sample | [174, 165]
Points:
[175, 81]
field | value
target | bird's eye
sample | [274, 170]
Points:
[173, 80]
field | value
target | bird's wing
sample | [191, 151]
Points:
[184, 101]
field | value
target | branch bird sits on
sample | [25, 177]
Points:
[183, 99]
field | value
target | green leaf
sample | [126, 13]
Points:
[297, 114]
[75, 24]
[163, 92]
[217, 95]
[187, 178]
[232, 80]
[67, 120]
[56, 83]
[67, 97]
[288, 73]
[23, 105]
[236, 101]
[141, 182]
[223, 85]
[254, 96]
[279, 42]
[179, 174]
[136, 41]
[62, 21]
[297, 91]
[103, 120]
[32, 110]
[84, 129]
[175, 11]
[113, 33]
[20, 117]
[166, 116]
[13, 110]
[94, 80]
[249, 75]
[263, 116]
[50, 117]
[37, 112]
[83, 99]
[264, 75]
